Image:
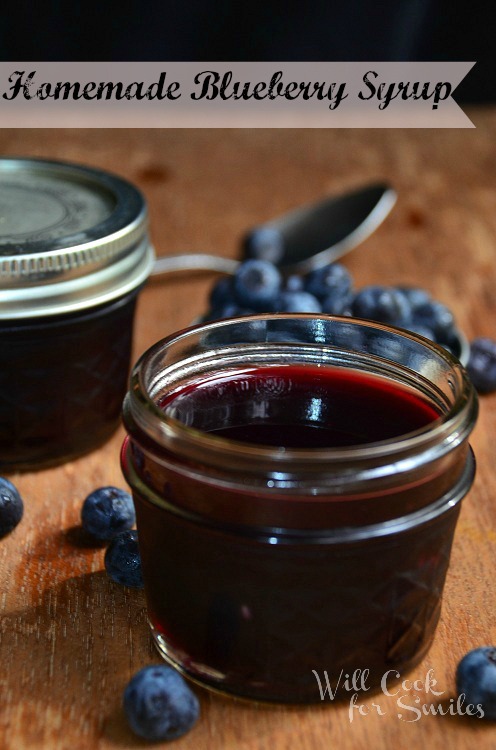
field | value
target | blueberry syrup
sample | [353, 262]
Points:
[300, 406]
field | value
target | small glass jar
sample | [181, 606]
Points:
[272, 570]
[74, 253]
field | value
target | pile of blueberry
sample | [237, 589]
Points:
[258, 286]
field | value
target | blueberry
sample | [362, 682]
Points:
[481, 365]
[421, 330]
[159, 705]
[476, 679]
[331, 279]
[382, 304]
[415, 295]
[106, 512]
[222, 293]
[293, 283]
[122, 560]
[11, 507]
[256, 284]
[231, 310]
[438, 318]
[296, 302]
[265, 243]
[337, 304]
[452, 343]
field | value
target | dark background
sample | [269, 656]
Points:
[352, 30]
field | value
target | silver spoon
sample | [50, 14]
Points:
[303, 239]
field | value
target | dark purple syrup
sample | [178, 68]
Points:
[300, 406]
[62, 382]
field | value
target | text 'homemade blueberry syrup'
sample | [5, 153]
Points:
[300, 406]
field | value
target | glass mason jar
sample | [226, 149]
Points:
[297, 481]
[74, 253]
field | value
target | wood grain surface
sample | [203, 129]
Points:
[69, 638]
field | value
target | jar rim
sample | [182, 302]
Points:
[442, 435]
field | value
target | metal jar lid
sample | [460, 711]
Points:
[71, 238]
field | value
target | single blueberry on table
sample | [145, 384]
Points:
[481, 365]
[106, 512]
[159, 705]
[11, 507]
[476, 679]
[256, 284]
[382, 304]
[122, 560]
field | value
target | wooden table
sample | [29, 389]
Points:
[70, 639]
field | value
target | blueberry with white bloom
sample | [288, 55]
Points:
[421, 330]
[332, 279]
[222, 293]
[337, 303]
[264, 243]
[229, 310]
[293, 283]
[159, 705]
[297, 302]
[476, 679]
[11, 507]
[382, 304]
[438, 318]
[256, 284]
[415, 295]
[481, 365]
[122, 560]
[106, 512]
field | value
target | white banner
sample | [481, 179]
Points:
[232, 95]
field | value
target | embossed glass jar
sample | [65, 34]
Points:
[74, 253]
[270, 567]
